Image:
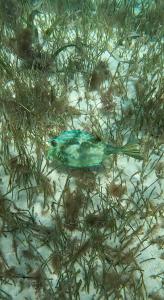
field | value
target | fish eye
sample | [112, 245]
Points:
[53, 143]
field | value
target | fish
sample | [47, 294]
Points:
[81, 149]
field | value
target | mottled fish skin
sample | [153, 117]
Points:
[77, 149]
[85, 155]
[77, 135]
[80, 149]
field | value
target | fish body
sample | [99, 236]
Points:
[80, 149]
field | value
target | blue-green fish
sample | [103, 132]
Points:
[81, 149]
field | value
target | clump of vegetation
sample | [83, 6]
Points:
[99, 74]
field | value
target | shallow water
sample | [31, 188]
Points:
[69, 232]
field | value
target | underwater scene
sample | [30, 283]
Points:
[81, 149]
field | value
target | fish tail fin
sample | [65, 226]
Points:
[132, 150]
